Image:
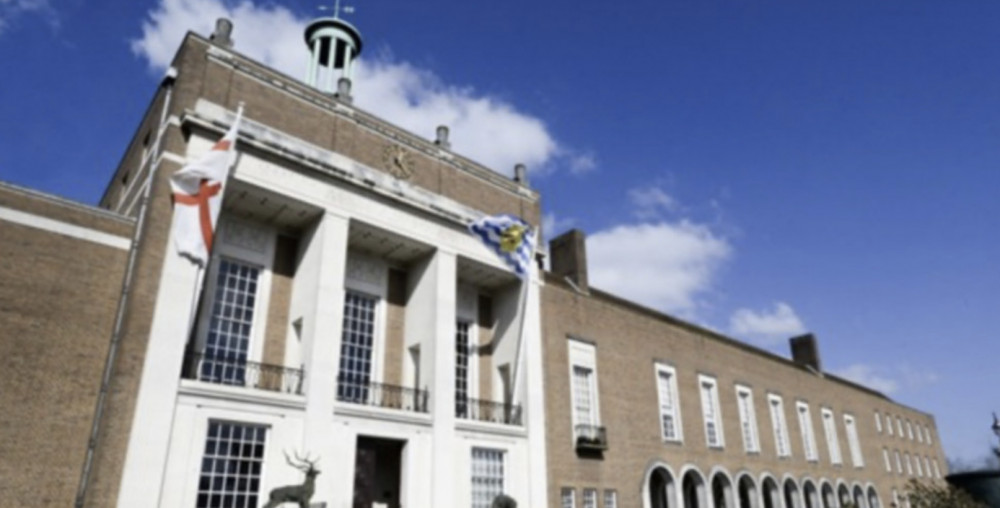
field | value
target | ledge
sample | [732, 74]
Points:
[240, 394]
[490, 428]
[377, 413]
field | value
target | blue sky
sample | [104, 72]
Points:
[772, 167]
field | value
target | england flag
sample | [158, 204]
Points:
[197, 189]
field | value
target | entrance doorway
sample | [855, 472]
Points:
[377, 472]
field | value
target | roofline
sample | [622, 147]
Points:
[553, 279]
[65, 202]
[427, 146]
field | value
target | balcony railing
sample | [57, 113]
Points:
[370, 393]
[488, 411]
[235, 372]
[591, 438]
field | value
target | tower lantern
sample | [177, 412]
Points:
[333, 45]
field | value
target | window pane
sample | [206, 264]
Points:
[461, 368]
[356, 347]
[229, 327]
[582, 391]
[230, 472]
[487, 476]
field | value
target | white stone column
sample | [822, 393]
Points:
[318, 300]
[149, 440]
[431, 311]
[534, 395]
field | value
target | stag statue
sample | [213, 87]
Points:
[300, 494]
[503, 501]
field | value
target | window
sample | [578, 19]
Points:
[909, 429]
[927, 466]
[909, 464]
[356, 347]
[583, 379]
[666, 387]
[888, 463]
[852, 441]
[227, 342]
[461, 368]
[917, 466]
[899, 426]
[777, 409]
[888, 425]
[748, 419]
[583, 409]
[937, 470]
[710, 411]
[927, 432]
[568, 498]
[899, 462]
[610, 499]
[920, 435]
[878, 422]
[230, 467]
[589, 498]
[806, 427]
[830, 430]
[487, 476]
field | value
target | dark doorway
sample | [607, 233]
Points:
[376, 472]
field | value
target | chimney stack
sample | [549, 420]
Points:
[344, 90]
[521, 174]
[805, 352]
[222, 36]
[568, 254]
[442, 137]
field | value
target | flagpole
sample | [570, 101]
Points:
[525, 288]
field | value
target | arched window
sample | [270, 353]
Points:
[693, 490]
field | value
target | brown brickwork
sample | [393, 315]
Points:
[395, 325]
[630, 339]
[283, 273]
[57, 307]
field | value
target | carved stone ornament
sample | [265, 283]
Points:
[364, 269]
[467, 297]
[398, 161]
[245, 236]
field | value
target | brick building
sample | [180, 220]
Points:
[347, 314]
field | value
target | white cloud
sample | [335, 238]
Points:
[651, 202]
[484, 128]
[665, 265]
[869, 376]
[582, 163]
[767, 327]
[12, 9]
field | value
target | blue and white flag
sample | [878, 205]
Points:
[510, 237]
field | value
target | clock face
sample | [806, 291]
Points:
[398, 161]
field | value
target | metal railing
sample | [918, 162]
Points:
[591, 437]
[370, 393]
[488, 411]
[236, 372]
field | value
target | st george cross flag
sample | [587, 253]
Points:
[510, 237]
[197, 191]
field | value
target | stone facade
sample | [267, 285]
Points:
[315, 219]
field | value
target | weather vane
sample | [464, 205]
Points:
[347, 9]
